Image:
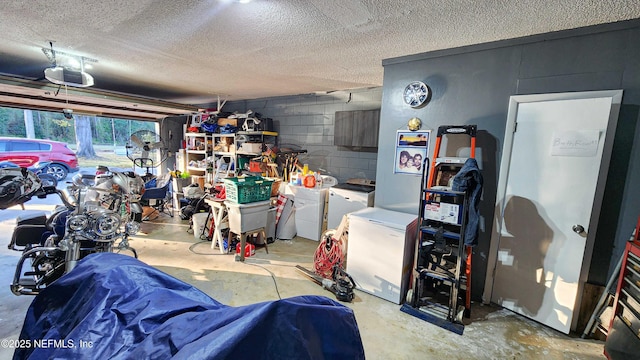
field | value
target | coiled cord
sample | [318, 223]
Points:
[328, 254]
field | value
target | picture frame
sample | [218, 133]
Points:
[410, 151]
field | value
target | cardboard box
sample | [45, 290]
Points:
[445, 212]
[225, 121]
[251, 147]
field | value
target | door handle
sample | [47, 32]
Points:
[578, 229]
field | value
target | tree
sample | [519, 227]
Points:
[84, 140]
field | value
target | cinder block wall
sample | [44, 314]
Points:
[307, 122]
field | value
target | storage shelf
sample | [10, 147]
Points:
[447, 234]
[220, 142]
[434, 274]
[199, 152]
[193, 168]
[257, 133]
[444, 192]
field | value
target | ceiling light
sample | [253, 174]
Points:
[67, 69]
[244, 1]
[65, 76]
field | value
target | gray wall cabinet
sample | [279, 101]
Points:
[357, 128]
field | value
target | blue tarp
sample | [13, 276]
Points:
[113, 306]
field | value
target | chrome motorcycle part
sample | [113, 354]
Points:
[106, 224]
[25, 285]
[78, 222]
[81, 227]
[132, 227]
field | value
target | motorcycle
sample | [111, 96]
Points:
[92, 219]
[105, 178]
[39, 168]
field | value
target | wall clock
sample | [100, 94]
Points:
[415, 94]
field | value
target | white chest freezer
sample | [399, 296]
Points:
[380, 251]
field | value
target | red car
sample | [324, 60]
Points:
[26, 152]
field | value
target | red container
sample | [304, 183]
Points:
[249, 249]
[309, 181]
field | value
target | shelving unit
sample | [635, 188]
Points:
[224, 155]
[245, 153]
[198, 148]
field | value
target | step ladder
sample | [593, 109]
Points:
[608, 295]
[444, 168]
[441, 254]
[447, 167]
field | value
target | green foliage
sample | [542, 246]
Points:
[12, 122]
[54, 126]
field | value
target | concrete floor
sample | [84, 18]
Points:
[387, 333]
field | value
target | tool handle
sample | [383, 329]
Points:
[327, 284]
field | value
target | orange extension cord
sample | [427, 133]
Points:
[328, 253]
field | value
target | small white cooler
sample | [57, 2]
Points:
[380, 252]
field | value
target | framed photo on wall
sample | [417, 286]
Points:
[411, 150]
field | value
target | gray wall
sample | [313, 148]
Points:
[307, 122]
[171, 132]
[472, 85]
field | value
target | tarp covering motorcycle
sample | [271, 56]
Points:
[113, 306]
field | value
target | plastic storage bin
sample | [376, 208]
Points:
[248, 189]
[247, 217]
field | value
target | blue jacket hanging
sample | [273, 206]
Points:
[469, 180]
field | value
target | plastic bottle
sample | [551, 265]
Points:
[310, 181]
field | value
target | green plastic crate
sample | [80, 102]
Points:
[247, 189]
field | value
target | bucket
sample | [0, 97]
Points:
[199, 222]
[249, 249]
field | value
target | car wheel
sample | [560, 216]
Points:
[57, 171]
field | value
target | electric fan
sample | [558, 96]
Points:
[146, 149]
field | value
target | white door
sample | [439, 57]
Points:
[549, 196]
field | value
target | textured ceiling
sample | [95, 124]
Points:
[190, 51]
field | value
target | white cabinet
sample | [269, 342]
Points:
[309, 210]
[380, 252]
